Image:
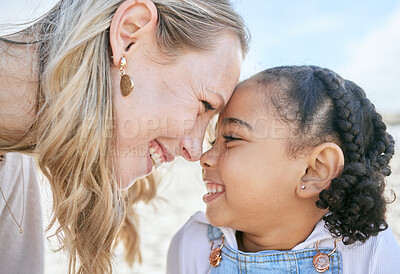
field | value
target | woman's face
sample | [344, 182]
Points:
[251, 181]
[168, 111]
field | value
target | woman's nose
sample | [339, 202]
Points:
[191, 148]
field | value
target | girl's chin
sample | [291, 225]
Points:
[213, 218]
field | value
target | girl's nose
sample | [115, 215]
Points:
[208, 159]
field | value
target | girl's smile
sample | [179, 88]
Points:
[214, 190]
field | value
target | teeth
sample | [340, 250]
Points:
[158, 164]
[155, 157]
[212, 189]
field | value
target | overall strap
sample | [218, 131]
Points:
[214, 233]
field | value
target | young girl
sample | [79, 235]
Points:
[295, 182]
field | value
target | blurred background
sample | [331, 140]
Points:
[360, 40]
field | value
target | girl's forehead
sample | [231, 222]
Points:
[242, 110]
[247, 101]
[251, 108]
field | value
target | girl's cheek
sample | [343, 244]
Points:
[227, 163]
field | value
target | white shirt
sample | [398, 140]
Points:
[20, 253]
[190, 248]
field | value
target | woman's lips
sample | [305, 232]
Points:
[149, 164]
[158, 154]
[168, 155]
[214, 190]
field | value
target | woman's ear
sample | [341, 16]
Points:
[132, 21]
[325, 163]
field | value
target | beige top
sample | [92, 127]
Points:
[20, 253]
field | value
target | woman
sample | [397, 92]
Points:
[102, 91]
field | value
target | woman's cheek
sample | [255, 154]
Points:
[181, 123]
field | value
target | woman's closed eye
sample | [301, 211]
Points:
[207, 106]
[212, 142]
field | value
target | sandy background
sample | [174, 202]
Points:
[180, 195]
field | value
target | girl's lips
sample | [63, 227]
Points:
[208, 198]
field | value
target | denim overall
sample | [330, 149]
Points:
[270, 261]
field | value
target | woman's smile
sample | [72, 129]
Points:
[158, 154]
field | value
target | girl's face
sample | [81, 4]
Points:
[253, 179]
[168, 111]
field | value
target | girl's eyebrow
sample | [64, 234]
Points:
[230, 120]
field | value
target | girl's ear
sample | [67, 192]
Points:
[133, 21]
[325, 163]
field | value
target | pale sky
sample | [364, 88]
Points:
[358, 39]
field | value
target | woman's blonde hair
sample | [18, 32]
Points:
[73, 135]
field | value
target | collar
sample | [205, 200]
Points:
[229, 233]
[319, 233]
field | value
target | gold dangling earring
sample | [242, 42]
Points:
[126, 84]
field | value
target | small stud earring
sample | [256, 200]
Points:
[303, 187]
[126, 84]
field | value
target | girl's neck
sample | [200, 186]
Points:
[284, 237]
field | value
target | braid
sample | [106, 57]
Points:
[346, 110]
[382, 151]
[355, 199]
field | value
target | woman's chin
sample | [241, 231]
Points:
[132, 170]
[128, 183]
[130, 180]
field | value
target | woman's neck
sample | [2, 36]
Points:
[283, 236]
[18, 89]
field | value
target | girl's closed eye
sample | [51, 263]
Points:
[230, 138]
[227, 139]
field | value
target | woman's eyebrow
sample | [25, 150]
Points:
[229, 120]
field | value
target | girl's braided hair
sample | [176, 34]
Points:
[321, 107]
